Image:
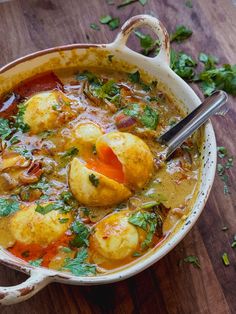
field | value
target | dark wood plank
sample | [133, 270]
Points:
[166, 287]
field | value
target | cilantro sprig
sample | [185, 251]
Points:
[81, 232]
[8, 206]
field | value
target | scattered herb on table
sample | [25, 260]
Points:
[147, 43]
[192, 259]
[87, 75]
[8, 206]
[225, 259]
[222, 168]
[95, 26]
[222, 152]
[182, 64]
[233, 245]
[189, 4]
[81, 232]
[181, 33]
[208, 60]
[94, 180]
[36, 262]
[78, 265]
[127, 2]
[113, 23]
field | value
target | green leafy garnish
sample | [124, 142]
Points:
[19, 119]
[113, 23]
[45, 209]
[85, 211]
[134, 77]
[108, 90]
[63, 220]
[42, 184]
[94, 180]
[36, 262]
[8, 206]
[149, 118]
[22, 150]
[136, 254]
[146, 42]
[233, 245]
[133, 110]
[189, 4]
[71, 152]
[105, 19]
[125, 2]
[192, 260]
[5, 129]
[225, 259]
[110, 57]
[82, 233]
[208, 60]
[182, 64]
[219, 78]
[87, 75]
[222, 152]
[143, 2]
[181, 33]
[146, 221]
[95, 26]
[78, 266]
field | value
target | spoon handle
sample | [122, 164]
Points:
[182, 130]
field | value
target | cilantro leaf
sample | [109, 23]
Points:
[105, 19]
[22, 150]
[225, 259]
[219, 78]
[42, 184]
[125, 2]
[94, 180]
[45, 209]
[189, 4]
[63, 220]
[78, 266]
[146, 42]
[233, 245]
[95, 26]
[208, 60]
[82, 233]
[8, 206]
[134, 77]
[19, 119]
[149, 118]
[132, 111]
[192, 260]
[181, 33]
[222, 152]
[5, 129]
[71, 152]
[146, 221]
[87, 75]
[143, 2]
[36, 262]
[182, 64]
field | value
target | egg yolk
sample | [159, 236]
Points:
[107, 164]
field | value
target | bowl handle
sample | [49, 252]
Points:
[25, 290]
[158, 28]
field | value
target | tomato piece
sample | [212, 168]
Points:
[38, 83]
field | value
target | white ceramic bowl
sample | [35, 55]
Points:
[127, 60]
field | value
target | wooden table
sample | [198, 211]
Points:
[166, 287]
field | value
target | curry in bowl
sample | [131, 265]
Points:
[81, 186]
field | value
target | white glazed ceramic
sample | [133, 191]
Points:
[124, 59]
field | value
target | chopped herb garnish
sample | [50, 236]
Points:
[136, 254]
[233, 245]
[82, 233]
[147, 43]
[225, 259]
[95, 26]
[8, 206]
[94, 180]
[36, 262]
[146, 221]
[78, 266]
[134, 77]
[65, 249]
[181, 33]
[105, 19]
[150, 204]
[22, 150]
[87, 75]
[19, 119]
[85, 211]
[125, 2]
[71, 152]
[189, 4]
[5, 129]
[15, 139]
[219, 78]
[143, 2]
[109, 90]
[132, 111]
[45, 209]
[222, 152]
[63, 220]
[42, 184]
[208, 60]
[149, 118]
[182, 64]
[192, 260]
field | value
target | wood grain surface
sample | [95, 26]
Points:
[168, 286]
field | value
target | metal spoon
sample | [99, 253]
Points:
[173, 138]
